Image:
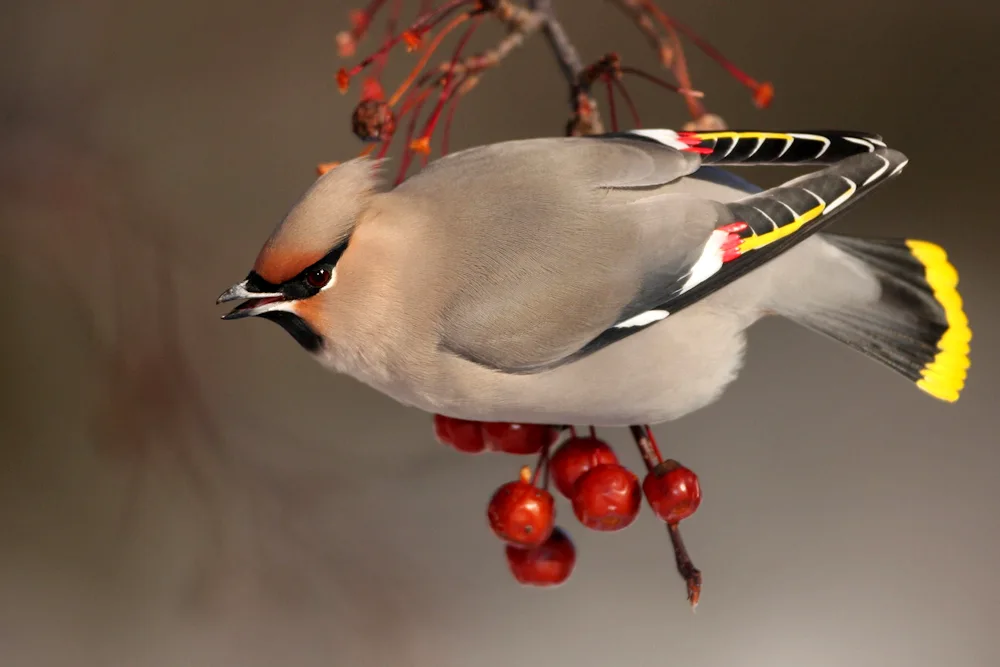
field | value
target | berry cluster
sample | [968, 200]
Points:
[604, 494]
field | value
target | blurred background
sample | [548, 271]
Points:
[181, 491]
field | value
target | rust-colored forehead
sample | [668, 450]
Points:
[276, 265]
[322, 218]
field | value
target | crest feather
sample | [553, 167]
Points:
[323, 218]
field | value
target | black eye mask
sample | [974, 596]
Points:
[298, 287]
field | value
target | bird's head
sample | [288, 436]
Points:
[294, 278]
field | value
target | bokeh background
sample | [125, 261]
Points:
[175, 490]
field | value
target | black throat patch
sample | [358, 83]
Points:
[297, 327]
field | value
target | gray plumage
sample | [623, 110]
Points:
[551, 280]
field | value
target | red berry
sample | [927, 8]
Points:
[465, 436]
[673, 491]
[521, 513]
[607, 497]
[575, 457]
[518, 438]
[548, 564]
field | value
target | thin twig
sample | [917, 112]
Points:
[521, 24]
[587, 118]
[646, 26]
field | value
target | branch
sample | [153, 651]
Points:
[586, 118]
[377, 116]
[520, 23]
[566, 54]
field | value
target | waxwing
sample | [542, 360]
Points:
[605, 280]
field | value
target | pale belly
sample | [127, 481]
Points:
[665, 372]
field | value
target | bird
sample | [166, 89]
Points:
[606, 279]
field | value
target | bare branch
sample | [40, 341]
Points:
[586, 118]
[566, 54]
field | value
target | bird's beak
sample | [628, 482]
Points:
[256, 303]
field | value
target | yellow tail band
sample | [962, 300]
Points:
[944, 377]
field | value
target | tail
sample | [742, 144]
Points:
[915, 324]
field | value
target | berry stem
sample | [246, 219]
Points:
[762, 91]
[612, 111]
[410, 103]
[456, 96]
[652, 442]
[647, 446]
[410, 36]
[365, 18]
[426, 20]
[543, 463]
[455, 22]
[628, 102]
[391, 25]
[695, 108]
[685, 566]
[418, 104]
[449, 85]
[545, 479]
[645, 25]
[634, 71]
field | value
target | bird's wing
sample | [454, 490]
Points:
[761, 227]
[563, 246]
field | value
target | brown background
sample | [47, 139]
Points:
[307, 520]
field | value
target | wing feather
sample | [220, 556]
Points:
[764, 226]
[603, 241]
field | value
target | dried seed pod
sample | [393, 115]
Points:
[708, 122]
[373, 120]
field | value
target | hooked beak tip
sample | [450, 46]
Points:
[255, 302]
[237, 291]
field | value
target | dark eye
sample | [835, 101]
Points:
[318, 277]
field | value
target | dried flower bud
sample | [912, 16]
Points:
[421, 145]
[608, 66]
[343, 80]
[373, 120]
[346, 44]
[467, 85]
[325, 167]
[372, 89]
[763, 95]
[708, 122]
[584, 120]
[360, 20]
[412, 40]
[666, 55]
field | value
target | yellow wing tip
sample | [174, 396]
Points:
[944, 377]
